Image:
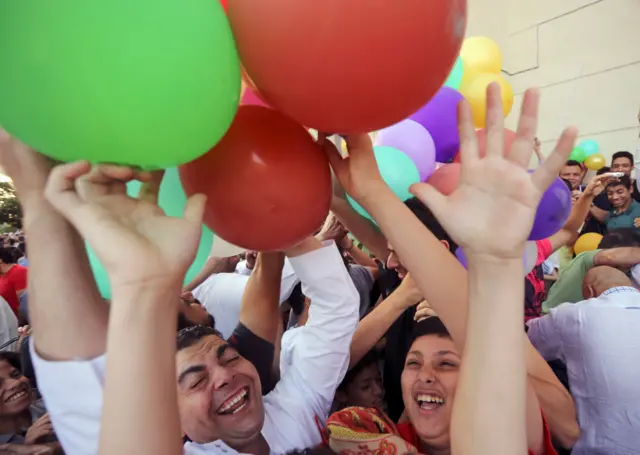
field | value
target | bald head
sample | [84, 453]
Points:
[599, 279]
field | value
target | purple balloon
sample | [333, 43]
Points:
[440, 117]
[414, 141]
[553, 211]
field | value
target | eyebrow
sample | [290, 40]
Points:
[222, 349]
[191, 370]
[445, 352]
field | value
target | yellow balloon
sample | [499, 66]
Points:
[595, 162]
[587, 242]
[476, 94]
[481, 54]
[468, 77]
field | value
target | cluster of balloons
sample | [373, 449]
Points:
[588, 152]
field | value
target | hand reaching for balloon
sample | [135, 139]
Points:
[492, 210]
[597, 185]
[136, 242]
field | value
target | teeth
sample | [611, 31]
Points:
[17, 396]
[234, 401]
[429, 399]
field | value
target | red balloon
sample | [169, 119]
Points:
[224, 4]
[348, 66]
[268, 183]
[251, 98]
[481, 134]
[446, 178]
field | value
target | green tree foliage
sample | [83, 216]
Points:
[10, 211]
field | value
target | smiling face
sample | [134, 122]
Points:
[619, 195]
[219, 394]
[429, 382]
[15, 392]
[572, 173]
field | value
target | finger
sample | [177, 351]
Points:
[194, 209]
[546, 173]
[104, 179]
[150, 190]
[60, 190]
[468, 139]
[430, 197]
[495, 121]
[524, 142]
[336, 160]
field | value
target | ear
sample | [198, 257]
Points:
[590, 292]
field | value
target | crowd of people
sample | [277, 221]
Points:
[365, 338]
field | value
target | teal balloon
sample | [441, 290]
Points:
[148, 83]
[455, 77]
[172, 200]
[590, 147]
[397, 170]
[577, 154]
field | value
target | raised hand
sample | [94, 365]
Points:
[136, 242]
[492, 210]
[597, 185]
[27, 168]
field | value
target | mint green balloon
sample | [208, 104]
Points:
[397, 170]
[172, 200]
[149, 83]
[577, 154]
[455, 77]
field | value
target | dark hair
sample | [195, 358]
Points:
[23, 248]
[12, 358]
[191, 335]
[617, 238]
[320, 450]
[568, 183]
[573, 163]
[603, 170]
[430, 326]
[622, 154]
[427, 218]
[370, 358]
[7, 255]
[622, 181]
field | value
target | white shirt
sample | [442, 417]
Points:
[221, 295]
[599, 340]
[8, 324]
[313, 362]
[242, 268]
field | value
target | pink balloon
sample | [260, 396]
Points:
[251, 98]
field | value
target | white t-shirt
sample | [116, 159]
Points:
[8, 324]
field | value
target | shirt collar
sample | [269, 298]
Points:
[629, 209]
[618, 289]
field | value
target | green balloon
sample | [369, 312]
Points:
[455, 77]
[578, 154]
[172, 200]
[149, 83]
[397, 170]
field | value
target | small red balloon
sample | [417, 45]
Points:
[446, 178]
[481, 134]
[268, 183]
[348, 65]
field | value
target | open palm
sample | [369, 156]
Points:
[133, 237]
[492, 210]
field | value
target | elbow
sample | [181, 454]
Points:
[569, 436]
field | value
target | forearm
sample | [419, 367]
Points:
[66, 311]
[212, 265]
[598, 213]
[362, 258]
[259, 311]
[374, 326]
[618, 257]
[361, 228]
[141, 345]
[491, 394]
[579, 213]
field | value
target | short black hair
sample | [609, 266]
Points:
[370, 358]
[622, 154]
[624, 181]
[617, 238]
[191, 335]
[426, 217]
[431, 326]
[573, 163]
[603, 170]
[7, 255]
[12, 358]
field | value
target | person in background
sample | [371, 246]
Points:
[246, 265]
[620, 162]
[22, 260]
[624, 211]
[592, 224]
[8, 325]
[619, 248]
[572, 172]
[362, 385]
[597, 340]
[13, 279]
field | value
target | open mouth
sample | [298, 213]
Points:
[16, 396]
[429, 401]
[235, 403]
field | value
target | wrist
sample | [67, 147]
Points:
[371, 197]
[159, 290]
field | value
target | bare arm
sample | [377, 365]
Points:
[618, 257]
[598, 213]
[70, 320]
[211, 266]
[259, 311]
[359, 256]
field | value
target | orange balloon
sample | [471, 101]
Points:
[446, 178]
[268, 183]
[481, 134]
[348, 66]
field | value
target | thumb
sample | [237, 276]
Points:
[61, 188]
[429, 196]
[336, 160]
[194, 209]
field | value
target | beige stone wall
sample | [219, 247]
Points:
[584, 55]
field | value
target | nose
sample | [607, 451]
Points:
[427, 375]
[377, 390]
[392, 261]
[221, 377]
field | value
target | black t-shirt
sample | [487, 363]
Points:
[258, 351]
